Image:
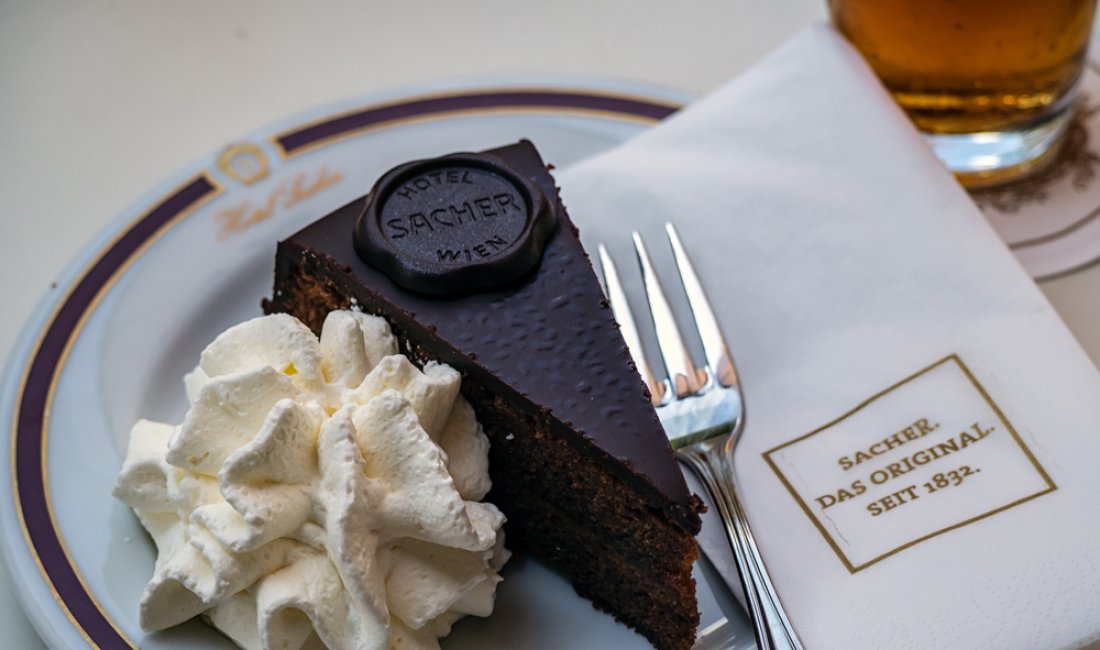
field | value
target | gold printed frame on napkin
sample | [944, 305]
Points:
[926, 456]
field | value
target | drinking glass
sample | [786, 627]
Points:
[991, 84]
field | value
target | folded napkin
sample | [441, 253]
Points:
[920, 462]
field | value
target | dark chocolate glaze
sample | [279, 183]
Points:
[547, 343]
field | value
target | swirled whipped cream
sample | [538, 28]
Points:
[319, 492]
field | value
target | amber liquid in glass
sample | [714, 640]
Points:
[966, 66]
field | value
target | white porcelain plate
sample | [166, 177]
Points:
[195, 256]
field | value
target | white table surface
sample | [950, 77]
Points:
[102, 100]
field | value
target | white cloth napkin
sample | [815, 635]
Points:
[886, 338]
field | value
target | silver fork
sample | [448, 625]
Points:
[703, 414]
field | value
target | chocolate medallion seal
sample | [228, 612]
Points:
[454, 225]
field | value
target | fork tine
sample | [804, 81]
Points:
[684, 378]
[717, 353]
[620, 308]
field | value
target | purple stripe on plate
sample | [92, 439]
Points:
[30, 428]
[295, 140]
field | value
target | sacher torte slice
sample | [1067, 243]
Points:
[474, 262]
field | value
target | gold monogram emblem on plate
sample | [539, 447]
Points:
[243, 162]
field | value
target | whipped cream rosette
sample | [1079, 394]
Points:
[319, 492]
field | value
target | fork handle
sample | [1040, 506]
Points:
[710, 459]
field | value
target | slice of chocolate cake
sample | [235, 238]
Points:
[474, 262]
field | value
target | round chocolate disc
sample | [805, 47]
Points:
[454, 225]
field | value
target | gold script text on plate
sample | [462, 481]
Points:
[287, 193]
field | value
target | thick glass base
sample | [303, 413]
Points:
[991, 158]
